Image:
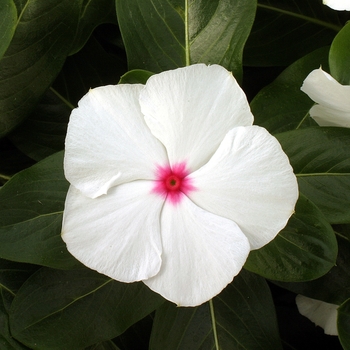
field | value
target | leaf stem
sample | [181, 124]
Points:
[302, 121]
[5, 177]
[213, 321]
[65, 101]
[2, 286]
[187, 39]
[341, 235]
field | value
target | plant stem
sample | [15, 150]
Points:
[213, 321]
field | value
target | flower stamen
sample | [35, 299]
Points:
[172, 182]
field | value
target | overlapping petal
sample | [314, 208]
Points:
[319, 312]
[339, 5]
[117, 234]
[202, 252]
[108, 142]
[333, 99]
[248, 180]
[191, 109]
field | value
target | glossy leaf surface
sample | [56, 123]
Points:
[46, 32]
[31, 206]
[39, 46]
[334, 287]
[190, 32]
[244, 317]
[320, 158]
[136, 76]
[339, 56]
[304, 250]
[52, 303]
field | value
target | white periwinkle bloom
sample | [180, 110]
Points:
[339, 5]
[319, 312]
[171, 184]
[332, 98]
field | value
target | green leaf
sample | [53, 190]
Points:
[8, 15]
[43, 132]
[13, 275]
[92, 14]
[333, 287]
[304, 250]
[339, 56]
[31, 207]
[41, 42]
[285, 30]
[343, 323]
[282, 106]
[136, 76]
[244, 318]
[320, 158]
[73, 309]
[6, 340]
[161, 35]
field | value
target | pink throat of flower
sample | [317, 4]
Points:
[173, 182]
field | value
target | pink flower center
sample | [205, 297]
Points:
[173, 182]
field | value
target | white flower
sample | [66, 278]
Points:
[339, 5]
[319, 312]
[171, 184]
[333, 108]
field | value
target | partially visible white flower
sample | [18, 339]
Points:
[339, 5]
[319, 312]
[171, 184]
[333, 108]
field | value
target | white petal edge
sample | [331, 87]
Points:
[324, 116]
[332, 97]
[339, 5]
[202, 252]
[319, 312]
[191, 109]
[250, 181]
[117, 234]
[108, 142]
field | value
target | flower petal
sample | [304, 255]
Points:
[202, 252]
[117, 234]
[325, 116]
[108, 142]
[248, 180]
[191, 109]
[338, 4]
[333, 99]
[319, 312]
